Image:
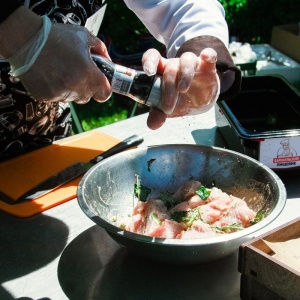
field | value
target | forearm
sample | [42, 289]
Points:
[229, 74]
[175, 22]
[17, 29]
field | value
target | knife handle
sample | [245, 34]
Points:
[131, 141]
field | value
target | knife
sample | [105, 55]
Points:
[73, 171]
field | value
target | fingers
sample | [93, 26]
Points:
[177, 79]
[156, 119]
[95, 85]
[82, 101]
[100, 86]
[153, 62]
[98, 47]
[208, 58]
[98, 89]
[169, 87]
[189, 64]
[103, 93]
[150, 61]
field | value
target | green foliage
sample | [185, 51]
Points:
[94, 121]
[94, 115]
[252, 20]
[232, 7]
[141, 191]
[249, 20]
[123, 26]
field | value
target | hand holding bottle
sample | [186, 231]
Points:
[69, 74]
[190, 84]
[53, 61]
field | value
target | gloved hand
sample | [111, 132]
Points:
[64, 70]
[190, 84]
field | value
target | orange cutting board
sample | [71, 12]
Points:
[20, 174]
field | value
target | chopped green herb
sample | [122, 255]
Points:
[178, 216]
[167, 200]
[193, 215]
[234, 226]
[259, 216]
[203, 192]
[156, 219]
[187, 217]
[140, 191]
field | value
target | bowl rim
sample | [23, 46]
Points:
[250, 232]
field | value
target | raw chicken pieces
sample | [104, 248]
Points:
[198, 213]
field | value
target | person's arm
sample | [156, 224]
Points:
[44, 57]
[12, 33]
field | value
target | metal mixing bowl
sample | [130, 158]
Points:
[106, 195]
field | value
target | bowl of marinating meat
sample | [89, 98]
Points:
[181, 203]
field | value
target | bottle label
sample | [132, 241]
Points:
[122, 79]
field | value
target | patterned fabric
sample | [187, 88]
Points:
[26, 124]
[65, 11]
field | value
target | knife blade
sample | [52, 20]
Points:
[73, 171]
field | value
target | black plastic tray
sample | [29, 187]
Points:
[266, 107]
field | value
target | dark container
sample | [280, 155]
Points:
[263, 121]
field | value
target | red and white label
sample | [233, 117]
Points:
[279, 153]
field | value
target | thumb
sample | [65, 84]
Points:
[208, 58]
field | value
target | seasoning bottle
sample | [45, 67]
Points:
[132, 83]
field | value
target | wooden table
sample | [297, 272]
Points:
[61, 254]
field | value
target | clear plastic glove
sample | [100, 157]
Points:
[190, 84]
[64, 70]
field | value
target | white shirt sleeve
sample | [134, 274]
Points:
[173, 22]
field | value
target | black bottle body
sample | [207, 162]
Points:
[132, 83]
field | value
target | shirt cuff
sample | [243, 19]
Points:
[225, 63]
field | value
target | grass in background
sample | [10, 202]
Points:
[118, 108]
